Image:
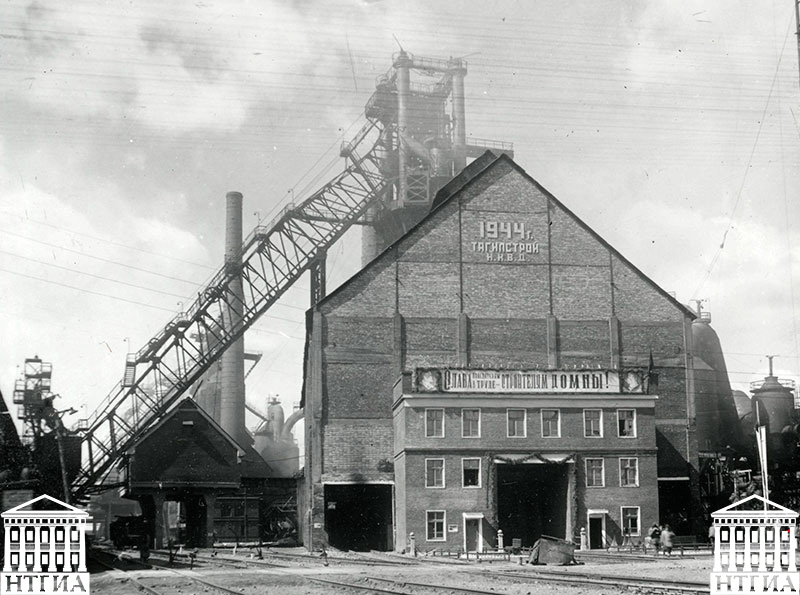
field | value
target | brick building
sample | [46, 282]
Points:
[494, 369]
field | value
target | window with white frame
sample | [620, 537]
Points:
[630, 521]
[435, 525]
[516, 423]
[470, 423]
[626, 423]
[551, 423]
[595, 473]
[593, 423]
[629, 472]
[471, 473]
[434, 423]
[434, 473]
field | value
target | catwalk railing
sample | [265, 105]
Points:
[274, 256]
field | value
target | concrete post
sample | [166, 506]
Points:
[584, 540]
[412, 543]
[500, 540]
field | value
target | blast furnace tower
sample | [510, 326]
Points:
[419, 104]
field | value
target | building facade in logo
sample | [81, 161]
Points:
[45, 548]
[754, 548]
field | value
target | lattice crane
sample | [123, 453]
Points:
[273, 257]
[408, 148]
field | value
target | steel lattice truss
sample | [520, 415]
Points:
[273, 258]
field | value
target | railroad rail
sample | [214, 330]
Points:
[393, 586]
[142, 585]
[637, 583]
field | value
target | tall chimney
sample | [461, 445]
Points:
[232, 362]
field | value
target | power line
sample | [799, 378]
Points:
[101, 259]
[89, 291]
[107, 241]
[746, 170]
[63, 268]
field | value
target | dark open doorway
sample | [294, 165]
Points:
[674, 505]
[359, 517]
[532, 501]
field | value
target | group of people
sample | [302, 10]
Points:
[660, 537]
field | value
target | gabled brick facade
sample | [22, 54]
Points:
[500, 275]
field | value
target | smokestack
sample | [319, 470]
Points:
[232, 362]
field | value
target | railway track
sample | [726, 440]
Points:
[637, 583]
[160, 585]
[145, 583]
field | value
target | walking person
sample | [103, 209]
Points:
[666, 540]
[655, 537]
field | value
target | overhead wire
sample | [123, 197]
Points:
[746, 170]
[27, 219]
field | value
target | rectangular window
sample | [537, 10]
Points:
[14, 534]
[471, 473]
[74, 534]
[629, 472]
[626, 423]
[435, 525]
[45, 560]
[470, 423]
[516, 423]
[724, 534]
[434, 473]
[44, 535]
[29, 534]
[434, 423]
[593, 423]
[60, 534]
[595, 473]
[551, 423]
[630, 520]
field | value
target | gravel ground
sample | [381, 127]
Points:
[293, 579]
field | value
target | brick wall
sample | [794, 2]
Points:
[613, 497]
[443, 269]
[357, 450]
[494, 431]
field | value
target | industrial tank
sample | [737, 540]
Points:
[717, 420]
[773, 406]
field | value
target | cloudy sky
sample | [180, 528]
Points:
[672, 128]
